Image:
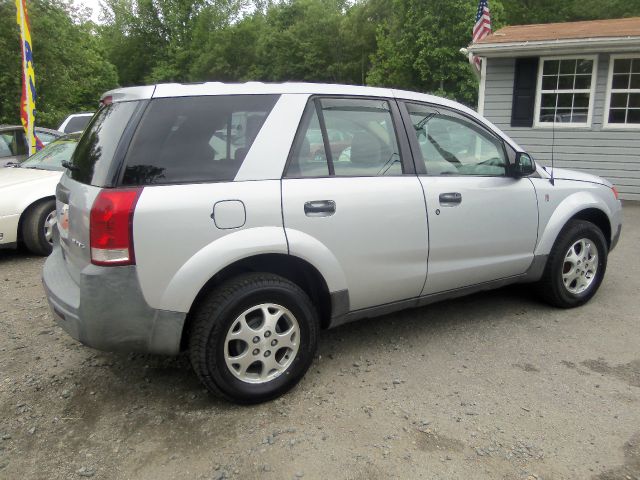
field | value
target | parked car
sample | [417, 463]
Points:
[163, 244]
[339, 142]
[27, 197]
[13, 142]
[75, 122]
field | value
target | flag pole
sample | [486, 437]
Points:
[28, 98]
[481, 29]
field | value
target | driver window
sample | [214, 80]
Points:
[359, 134]
[452, 145]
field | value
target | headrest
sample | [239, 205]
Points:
[366, 149]
[254, 122]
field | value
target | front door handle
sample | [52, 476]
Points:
[450, 199]
[320, 208]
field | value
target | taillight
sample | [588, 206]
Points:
[111, 229]
[615, 191]
[108, 100]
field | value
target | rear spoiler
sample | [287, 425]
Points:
[127, 94]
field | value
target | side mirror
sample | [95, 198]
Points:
[523, 165]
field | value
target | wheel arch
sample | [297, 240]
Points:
[579, 206]
[294, 269]
[27, 210]
[599, 219]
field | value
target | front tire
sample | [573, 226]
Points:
[37, 228]
[253, 338]
[576, 265]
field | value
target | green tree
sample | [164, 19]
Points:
[153, 41]
[10, 76]
[229, 54]
[132, 38]
[522, 12]
[358, 33]
[301, 41]
[70, 68]
[419, 48]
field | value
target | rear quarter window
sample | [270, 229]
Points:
[195, 139]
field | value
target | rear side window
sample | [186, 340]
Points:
[7, 144]
[13, 143]
[94, 153]
[346, 137]
[195, 139]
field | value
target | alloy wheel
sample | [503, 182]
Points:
[49, 222]
[580, 266]
[261, 343]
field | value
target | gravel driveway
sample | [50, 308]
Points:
[495, 386]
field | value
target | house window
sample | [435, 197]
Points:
[623, 92]
[565, 92]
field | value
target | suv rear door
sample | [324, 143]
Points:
[350, 185]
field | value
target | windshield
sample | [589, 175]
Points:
[52, 156]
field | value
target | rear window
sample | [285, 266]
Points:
[77, 124]
[94, 153]
[195, 139]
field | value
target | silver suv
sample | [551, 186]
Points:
[236, 221]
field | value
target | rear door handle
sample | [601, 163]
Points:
[320, 208]
[450, 199]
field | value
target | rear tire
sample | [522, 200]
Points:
[253, 338]
[37, 228]
[576, 265]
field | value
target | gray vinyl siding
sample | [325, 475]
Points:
[612, 154]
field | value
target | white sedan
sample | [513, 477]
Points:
[27, 197]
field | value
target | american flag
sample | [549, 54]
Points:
[482, 28]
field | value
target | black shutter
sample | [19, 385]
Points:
[524, 91]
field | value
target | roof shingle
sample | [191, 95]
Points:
[623, 27]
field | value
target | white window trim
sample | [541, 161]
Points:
[594, 80]
[483, 86]
[607, 101]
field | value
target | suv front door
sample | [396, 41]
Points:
[350, 188]
[483, 223]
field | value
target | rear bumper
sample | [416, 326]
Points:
[107, 310]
